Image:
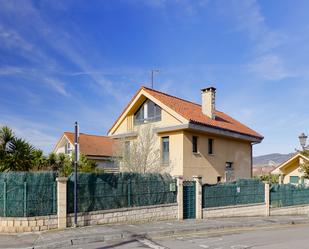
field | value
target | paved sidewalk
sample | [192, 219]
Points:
[79, 236]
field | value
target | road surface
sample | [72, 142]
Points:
[283, 237]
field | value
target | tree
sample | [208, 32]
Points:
[270, 178]
[19, 155]
[6, 136]
[63, 164]
[141, 155]
[16, 154]
[304, 167]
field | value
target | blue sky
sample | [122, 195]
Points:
[62, 61]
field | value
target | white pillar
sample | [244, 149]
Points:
[198, 196]
[62, 201]
[267, 199]
[180, 197]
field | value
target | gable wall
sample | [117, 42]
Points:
[127, 124]
[292, 170]
[61, 146]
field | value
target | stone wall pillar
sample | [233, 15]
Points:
[198, 197]
[267, 199]
[180, 197]
[62, 201]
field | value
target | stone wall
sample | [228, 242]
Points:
[291, 210]
[28, 224]
[126, 215]
[236, 211]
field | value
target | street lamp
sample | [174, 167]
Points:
[302, 140]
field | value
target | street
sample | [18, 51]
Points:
[225, 233]
[284, 237]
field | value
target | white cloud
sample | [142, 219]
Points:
[56, 85]
[246, 16]
[269, 67]
[36, 76]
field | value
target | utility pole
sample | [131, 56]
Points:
[76, 158]
[153, 71]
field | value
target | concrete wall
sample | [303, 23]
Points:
[235, 211]
[126, 215]
[292, 210]
[28, 224]
[211, 166]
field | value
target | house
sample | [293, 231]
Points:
[97, 148]
[289, 171]
[193, 139]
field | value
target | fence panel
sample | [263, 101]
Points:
[243, 191]
[282, 195]
[27, 194]
[111, 191]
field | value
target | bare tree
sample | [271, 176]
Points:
[141, 154]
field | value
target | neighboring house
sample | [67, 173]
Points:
[289, 170]
[193, 139]
[97, 148]
[262, 170]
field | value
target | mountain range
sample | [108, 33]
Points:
[271, 159]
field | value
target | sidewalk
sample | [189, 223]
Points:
[84, 235]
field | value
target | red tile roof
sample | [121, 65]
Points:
[92, 145]
[193, 112]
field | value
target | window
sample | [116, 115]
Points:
[229, 172]
[165, 150]
[228, 166]
[210, 146]
[148, 112]
[294, 179]
[127, 149]
[67, 148]
[194, 144]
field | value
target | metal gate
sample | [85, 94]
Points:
[189, 199]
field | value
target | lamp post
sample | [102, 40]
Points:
[76, 159]
[302, 140]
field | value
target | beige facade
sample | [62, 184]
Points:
[229, 148]
[212, 166]
[290, 171]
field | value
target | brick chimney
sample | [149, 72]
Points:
[209, 102]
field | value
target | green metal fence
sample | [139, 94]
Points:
[288, 195]
[110, 191]
[243, 191]
[25, 194]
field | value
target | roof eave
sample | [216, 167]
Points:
[225, 132]
[211, 129]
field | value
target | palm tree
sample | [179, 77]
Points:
[6, 136]
[39, 161]
[20, 155]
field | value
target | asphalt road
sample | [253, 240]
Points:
[285, 237]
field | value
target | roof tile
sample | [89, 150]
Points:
[193, 112]
[92, 145]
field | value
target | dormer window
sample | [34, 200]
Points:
[67, 148]
[148, 112]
